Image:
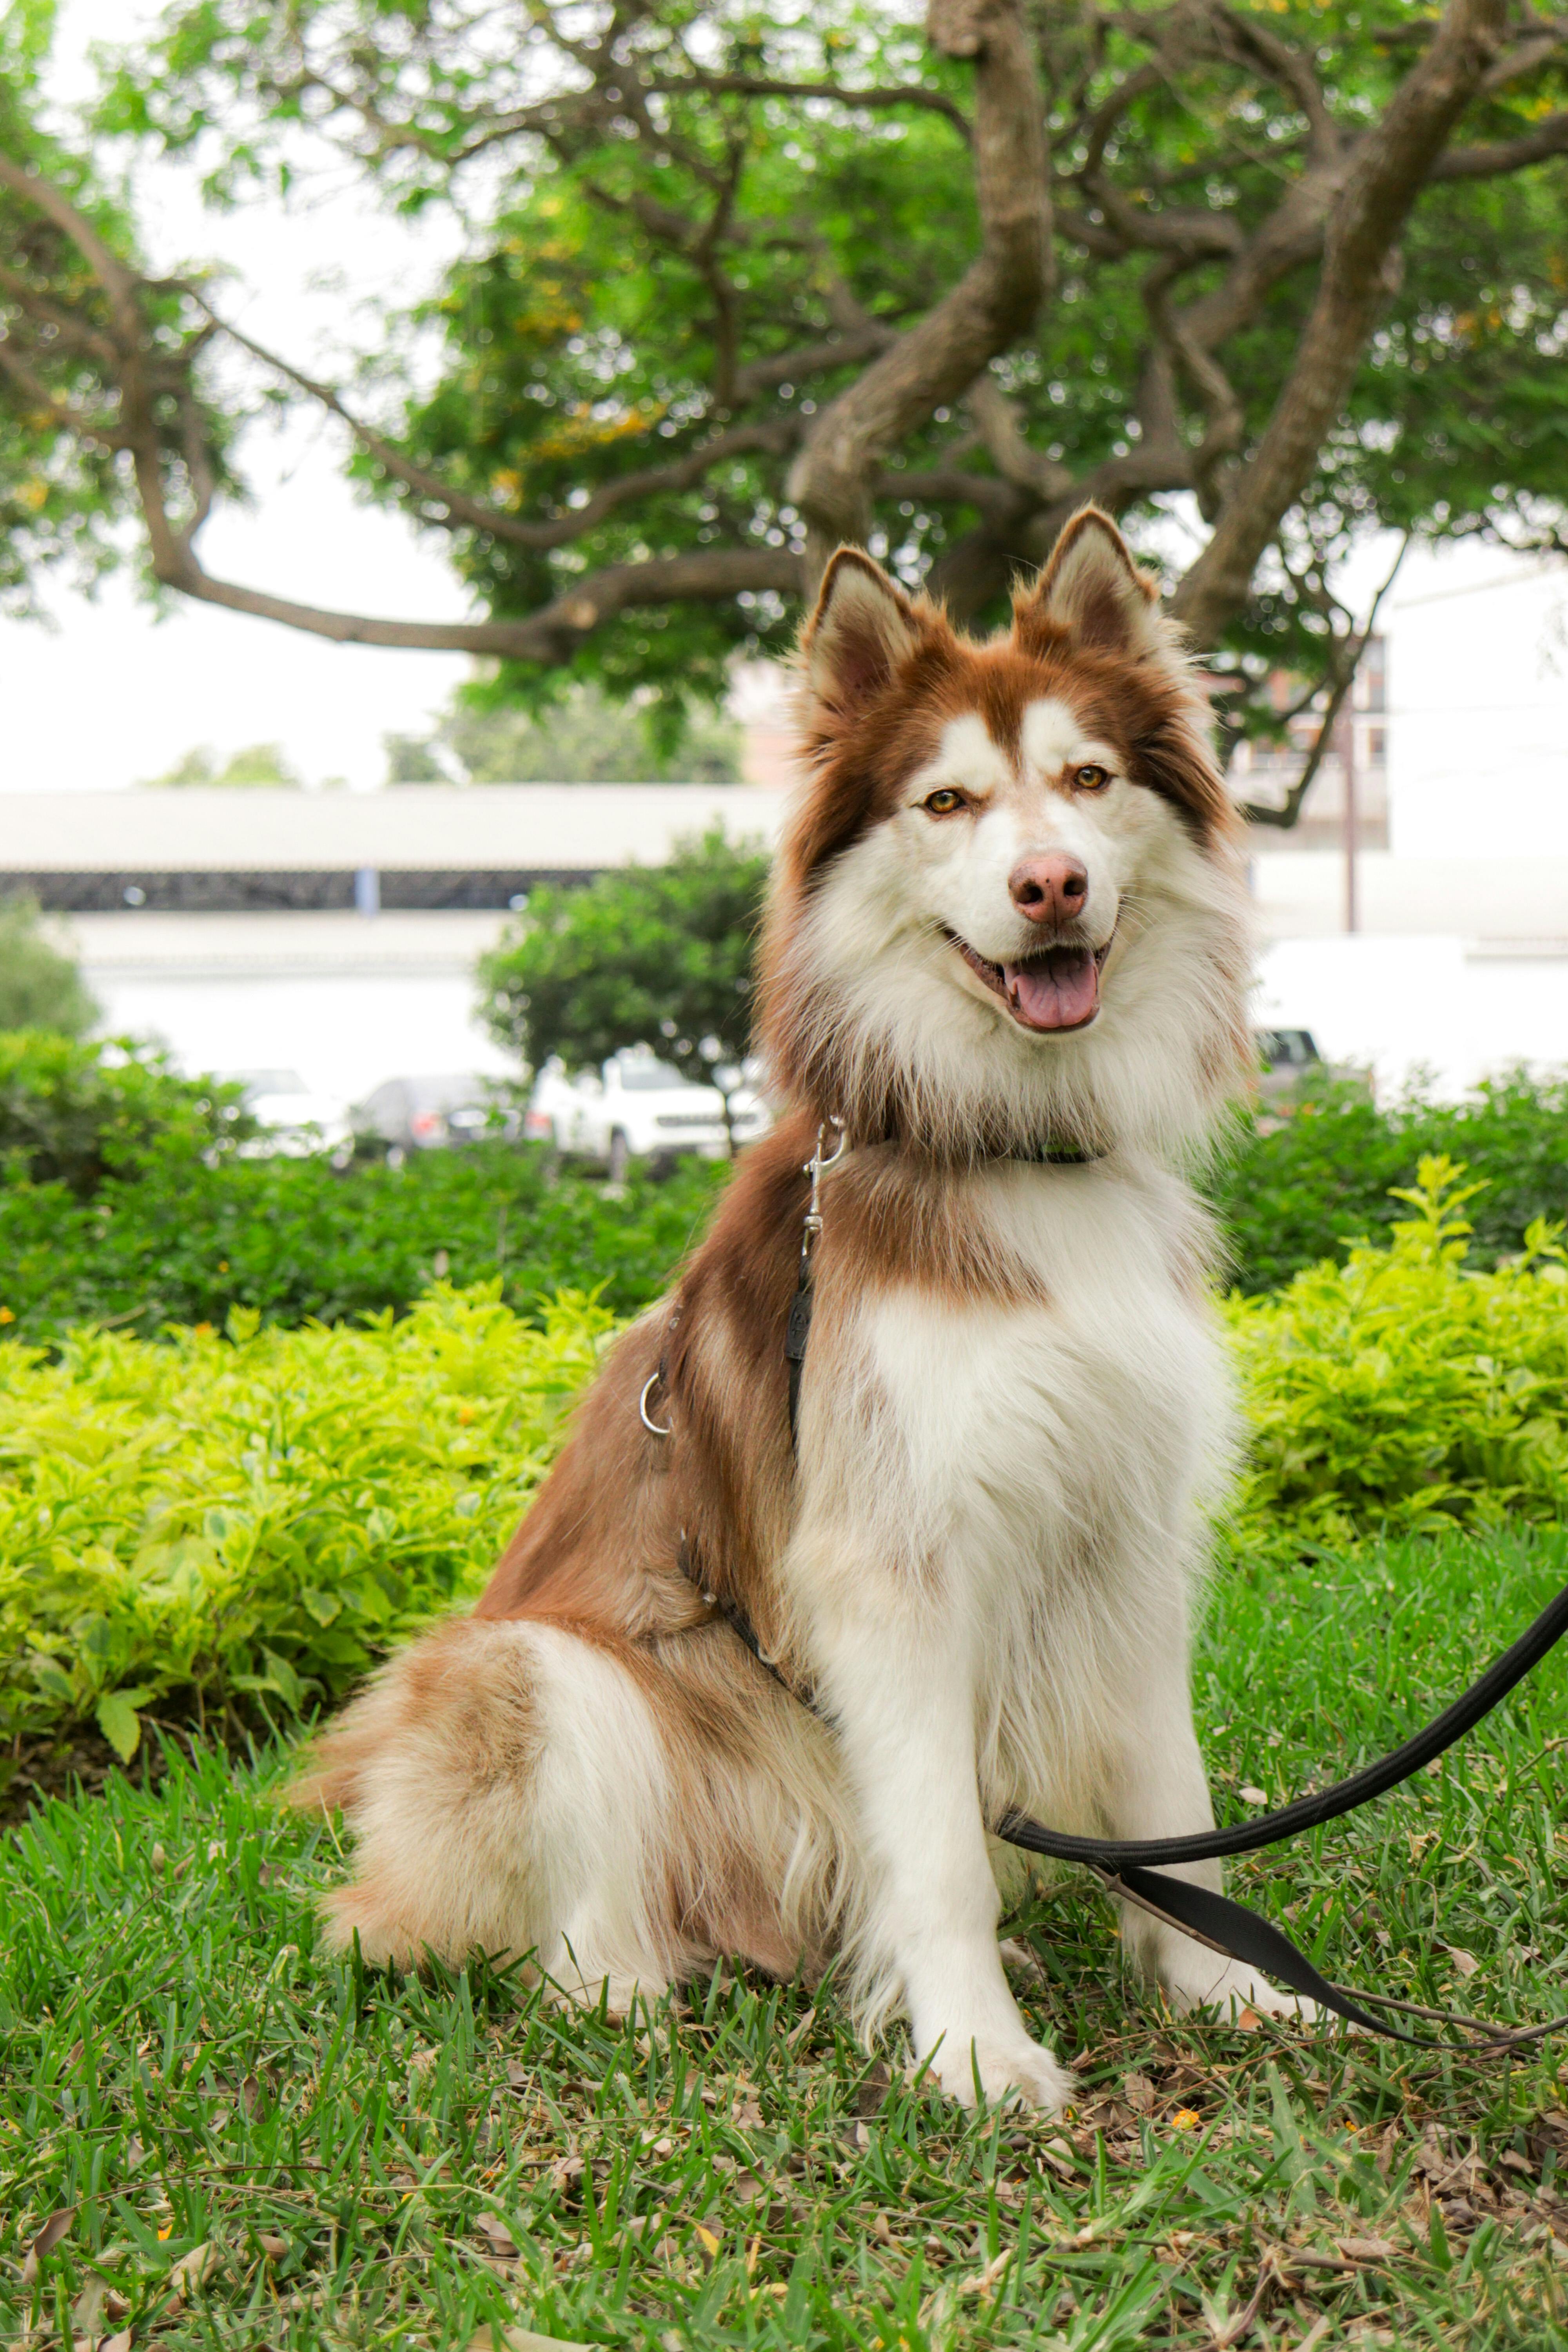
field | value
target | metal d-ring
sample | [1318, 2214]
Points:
[653, 1427]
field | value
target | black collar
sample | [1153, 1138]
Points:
[1056, 1155]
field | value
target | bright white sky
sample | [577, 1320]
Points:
[111, 694]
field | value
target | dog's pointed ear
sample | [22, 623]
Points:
[863, 627]
[1093, 591]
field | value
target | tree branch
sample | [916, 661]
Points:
[1387, 175]
[996, 299]
[1243, 37]
[453, 507]
[1342, 667]
[550, 637]
[933, 101]
[118, 282]
[996, 422]
[1549, 137]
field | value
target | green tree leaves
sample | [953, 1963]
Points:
[39, 987]
[643, 955]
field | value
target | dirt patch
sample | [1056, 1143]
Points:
[32, 1770]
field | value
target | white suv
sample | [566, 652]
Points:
[636, 1106]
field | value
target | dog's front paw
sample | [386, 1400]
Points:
[1005, 2067]
[1197, 1979]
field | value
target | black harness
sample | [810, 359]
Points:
[1136, 1870]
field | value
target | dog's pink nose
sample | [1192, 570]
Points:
[1049, 890]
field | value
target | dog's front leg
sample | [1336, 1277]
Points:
[896, 1672]
[1158, 1787]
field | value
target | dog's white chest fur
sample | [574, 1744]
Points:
[1039, 1437]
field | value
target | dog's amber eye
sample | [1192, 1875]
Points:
[1092, 779]
[943, 801]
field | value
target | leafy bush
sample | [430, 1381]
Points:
[182, 1241]
[39, 987]
[1322, 1176]
[71, 1116]
[247, 1521]
[250, 1519]
[644, 955]
[1400, 1391]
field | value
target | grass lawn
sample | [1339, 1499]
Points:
[263, 2148]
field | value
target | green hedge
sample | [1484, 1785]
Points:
[225, 1524]
[184, 1242]
[1319, 1173]
[122, 1200]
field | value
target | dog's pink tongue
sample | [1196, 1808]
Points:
[1058, 991]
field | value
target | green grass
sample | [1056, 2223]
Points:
[184, 2070]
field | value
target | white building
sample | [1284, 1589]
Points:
[334, 934]
[1479, 707]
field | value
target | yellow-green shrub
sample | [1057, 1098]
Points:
[1398, 1391]
[253, 1517]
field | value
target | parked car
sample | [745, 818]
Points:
[1285, 1054]
[1288, 1055]
[432, 1114]
[298, 1121]
[636, 1106]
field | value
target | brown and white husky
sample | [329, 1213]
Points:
[1007, 926]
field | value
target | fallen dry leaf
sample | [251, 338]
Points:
[193, 2270]
[1139, 2093]
[1466, 1962]
[1366, 2250]
[524, 2339]
[96, 2301]
[1251, 1796]
[273, 2248]
[46, 2241]
[502, 2243]
[984, 2282]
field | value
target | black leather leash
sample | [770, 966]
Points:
[1134, 1869]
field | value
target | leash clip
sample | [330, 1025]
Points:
[812, 1224]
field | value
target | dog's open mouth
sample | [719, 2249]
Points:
[1057, 988]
